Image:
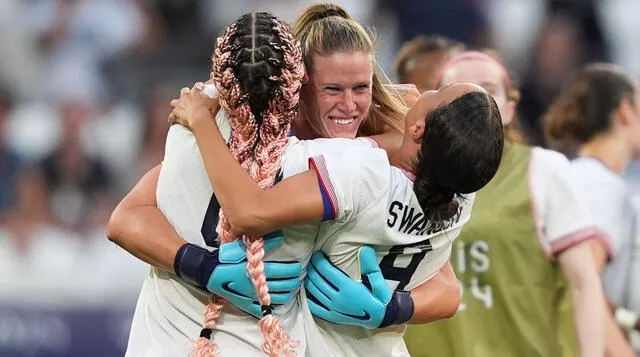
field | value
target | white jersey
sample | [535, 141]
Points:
[610, 205]
[169, 312]
[374, 204]
[559, 208]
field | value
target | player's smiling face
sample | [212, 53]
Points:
[340, 92]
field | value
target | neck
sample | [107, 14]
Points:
[613, 152]
[403, 158]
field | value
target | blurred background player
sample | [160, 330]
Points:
[596, 121]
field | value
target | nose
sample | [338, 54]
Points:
[348, 102]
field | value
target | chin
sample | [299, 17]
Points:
[343, 134]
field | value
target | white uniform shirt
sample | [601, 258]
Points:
[170, 312]
[374, 204]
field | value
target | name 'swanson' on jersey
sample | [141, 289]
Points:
[409, 220]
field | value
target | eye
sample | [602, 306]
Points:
[332, 89]
[362, 88]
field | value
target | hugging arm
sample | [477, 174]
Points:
[370, 303]
[249, 209]
[139, 227]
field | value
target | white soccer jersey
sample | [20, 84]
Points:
[560, 212]
[607, 199]
[374, 204]
[169, 311]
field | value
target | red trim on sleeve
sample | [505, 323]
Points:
[319, 165]
[560, 245]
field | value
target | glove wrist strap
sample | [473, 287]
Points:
[399, 309]
[189, 262]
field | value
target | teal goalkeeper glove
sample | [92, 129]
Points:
[335, 297]
[224, 272]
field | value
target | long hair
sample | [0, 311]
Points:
[585, 106]
[325, 29]
[257, 69]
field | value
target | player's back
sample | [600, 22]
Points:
[375, 205]
[169, 312]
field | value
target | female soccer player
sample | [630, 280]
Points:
[596, 121]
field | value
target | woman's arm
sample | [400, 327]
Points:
[138, 226]
[335, 297]
[249, 209]
[615, 343]
[438, 298]
[579, 268]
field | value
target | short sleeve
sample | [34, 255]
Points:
[351, 181]
[567, 218]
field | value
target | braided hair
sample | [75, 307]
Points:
[258, 70]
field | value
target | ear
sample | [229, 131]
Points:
[626, 112]
[305, 78]
[416, 131]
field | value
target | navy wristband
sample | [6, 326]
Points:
[195, 264]
[399, 309]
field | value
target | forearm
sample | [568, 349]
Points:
[138, 226]
[616, 344]
[436, 299]
[249, 209]
[146, 234]
[589, 318]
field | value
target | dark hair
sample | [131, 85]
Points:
[422, 45]
[585, 106]
[256, 58]
[460, 153]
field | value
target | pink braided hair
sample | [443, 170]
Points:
[258, 147]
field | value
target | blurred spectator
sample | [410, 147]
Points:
[76, 37]
[20, 64]
[9, 161]
[175, 46]
[155, 131]
[460, 20]
[75, 181]
[420, 60]
[568, 38]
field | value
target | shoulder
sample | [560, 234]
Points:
[298, 152]
[358, 163]
[180, 141]
[545, 161]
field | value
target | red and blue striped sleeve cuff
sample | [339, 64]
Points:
[329, 197]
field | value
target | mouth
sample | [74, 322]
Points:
[343, 120]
